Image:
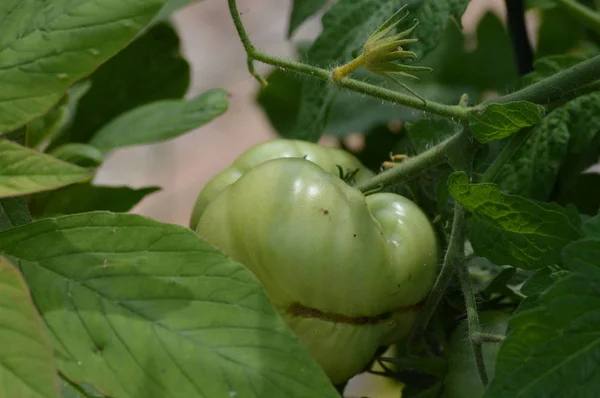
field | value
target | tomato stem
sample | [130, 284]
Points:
[464, 277]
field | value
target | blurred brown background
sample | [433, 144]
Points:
[182, 166]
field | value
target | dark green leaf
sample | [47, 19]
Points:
[160, 121]
[82, 198]
[583, 193]
[558, 33]
[432, 16]
[591, 228]
[498, 121]
[13, 212]
[541, 280]
[27, 368]
[150, 69]
[346, 27]
[24, 171]
[46, 46]
[533, 169]
[553, 349]
[80, 154]
[139, 308]
[511, 230]
[301, 11]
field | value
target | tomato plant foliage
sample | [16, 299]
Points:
[496, 139]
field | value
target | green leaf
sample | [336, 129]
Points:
[533, 169]
[138, 308]
[583, 192]
[80, 154]
[346, 27]
[511, 230]
[13, 212]
[151, 68]
[301, 11]
[591, 228]
[46, 46]
[24, 171]
[82, 198]
[541, 280]
[498, 121]
[170, 7]
[45, 127]
[552, 349]
[27, 367]
[558, 33]
[160, 121]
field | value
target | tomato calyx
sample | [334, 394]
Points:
[301, 311]
[348, 176]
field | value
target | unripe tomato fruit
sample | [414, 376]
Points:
[345, 271]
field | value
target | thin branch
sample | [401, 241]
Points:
[473, 318]
[413, 166]
[487, 337]
[454, 256]
[556, 86]
[395, 97]
[504, 156]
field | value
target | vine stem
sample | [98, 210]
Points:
[462, 270]
[504, 156]
[413, 166]
[454, 255]
[385, 94]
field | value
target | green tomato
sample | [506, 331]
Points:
[327, 158]
[462, 379]
[346, 272]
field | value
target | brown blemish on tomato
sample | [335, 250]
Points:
[301, 311]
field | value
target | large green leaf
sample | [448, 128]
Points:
[553, 348]
[45, 46]
[346, 27]
[160, 121]
[82, 198]
[13, 212]
[24, 171]
[301, 11]
[533, 169]
[27, 367]
[509, 229]
[151, 68]
[498, 121]
[138, 308]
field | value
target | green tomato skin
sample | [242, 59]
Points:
[326, 158]
[462, 379]
[312, 239]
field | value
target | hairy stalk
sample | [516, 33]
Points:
[504, 156]
[418, 164]
[473, 318]
[452, 260]
[557, 86]
[583, 14]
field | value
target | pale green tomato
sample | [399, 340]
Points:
[345, 271]
[326, 158]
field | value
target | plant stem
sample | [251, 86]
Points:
[583, 14]
[556, 86]
[504, 156]
[454, 256]
[395, 97]
[413, 166]
[473, 318]
[487, 337]
[342, 71]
